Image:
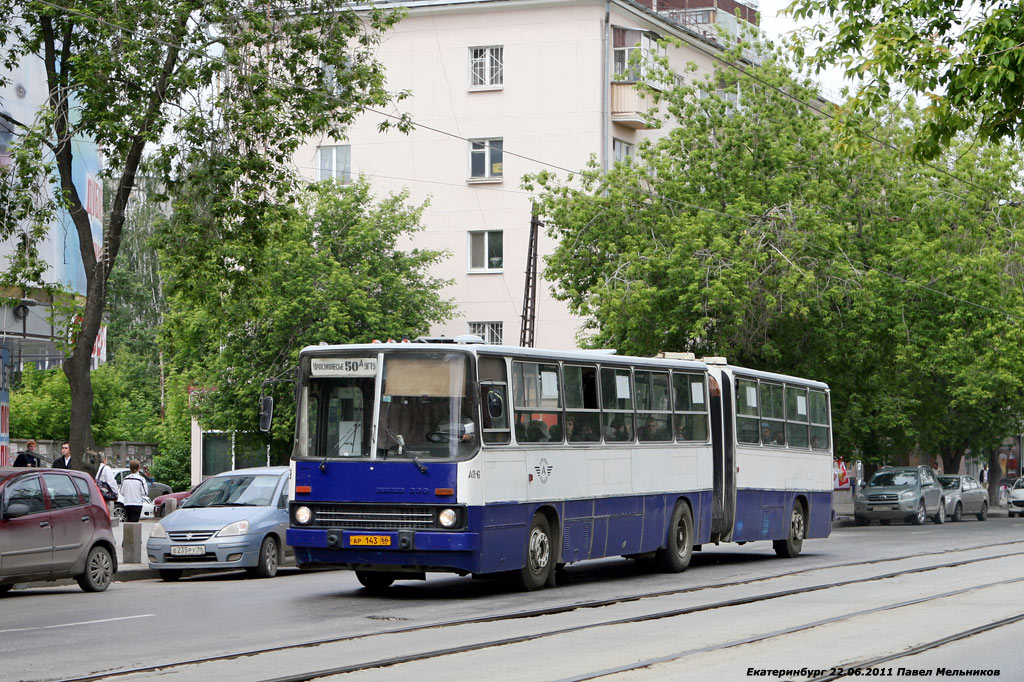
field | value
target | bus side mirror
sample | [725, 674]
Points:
[266, 413]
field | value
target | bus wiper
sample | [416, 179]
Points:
[400, 440]
[341, 441]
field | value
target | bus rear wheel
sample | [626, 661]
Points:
[539, 564]
[794, 542]
[675, 556]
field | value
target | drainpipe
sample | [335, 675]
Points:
[606, 86]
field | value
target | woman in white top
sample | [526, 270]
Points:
[106, 475]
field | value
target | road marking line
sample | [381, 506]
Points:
[84, 622]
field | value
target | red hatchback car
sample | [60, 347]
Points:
[54, 524]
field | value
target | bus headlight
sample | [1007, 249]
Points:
[303, 515]
[448, 518]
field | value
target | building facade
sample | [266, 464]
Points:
[501, 89]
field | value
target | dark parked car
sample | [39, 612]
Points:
[159, 506]
[964, 495]
[54, 524]
[911, 493]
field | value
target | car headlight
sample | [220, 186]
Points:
[236, 528]
[907, 494]
[158, 531]
[447, 517]
[303, 515]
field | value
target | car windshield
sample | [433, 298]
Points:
[235, 491]
[950, 482]
[887, 478]
[1019, 485]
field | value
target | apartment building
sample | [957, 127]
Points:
[502, 88]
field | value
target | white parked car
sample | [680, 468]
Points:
[1015, 501]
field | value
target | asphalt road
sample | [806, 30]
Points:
[60, 632]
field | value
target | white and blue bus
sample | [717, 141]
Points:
[412, 458]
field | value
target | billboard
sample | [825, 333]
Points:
[21, 100]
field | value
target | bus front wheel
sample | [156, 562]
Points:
[374, 581]
[675, 557]
[539, 555]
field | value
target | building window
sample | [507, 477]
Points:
[627, 42]
[486, 251]
[486, 67]
[491, 332]
[334, 163]
[621, 150]
[485, 159]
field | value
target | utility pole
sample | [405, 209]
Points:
[526, 330]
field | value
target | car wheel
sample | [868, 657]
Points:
[170, 575]
[269, 559]
[940, 515]
[958, 512]
[99, 570]
[983, 514]
[921, 514]
[374, 581]
[119, 513]
[794, 542]
[539, 561]
[884, 522]
[675, 556]
[861, 521]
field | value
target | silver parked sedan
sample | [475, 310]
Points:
[964, 495]
[236, 519]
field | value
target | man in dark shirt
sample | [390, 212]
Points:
[64, 461]
[28, 456]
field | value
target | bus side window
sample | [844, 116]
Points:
[494, 400]
[747, 414]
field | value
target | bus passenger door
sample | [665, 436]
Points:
[723, 512]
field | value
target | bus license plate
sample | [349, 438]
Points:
[188, 550]
[370, 540]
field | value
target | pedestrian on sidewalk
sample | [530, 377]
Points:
[133, 492]
[107, 482]
[27, 457]
[64, 461]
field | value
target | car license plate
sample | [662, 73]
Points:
[370, 540]
[188, 550]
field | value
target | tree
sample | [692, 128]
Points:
[335, 273]
[251, 79]
[967, 58]
[743, 232]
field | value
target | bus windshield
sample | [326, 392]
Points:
[426, 407]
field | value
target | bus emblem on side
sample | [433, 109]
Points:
[544, 470]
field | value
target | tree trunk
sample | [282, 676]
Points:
[951, 459]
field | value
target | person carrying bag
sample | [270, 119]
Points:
[107, 483]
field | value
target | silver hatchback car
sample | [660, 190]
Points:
[911, 493]
[236, 519]
[964, 495]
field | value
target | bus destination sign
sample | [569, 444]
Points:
[343, 367]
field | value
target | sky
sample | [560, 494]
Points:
[776, 25]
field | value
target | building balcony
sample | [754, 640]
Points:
[628, 107]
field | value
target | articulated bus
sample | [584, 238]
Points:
[478, 459]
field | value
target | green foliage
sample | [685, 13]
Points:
[966, 58]
[41, 407]
[173, 462]
[743, 232]
[334, 270]
[237, 81]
